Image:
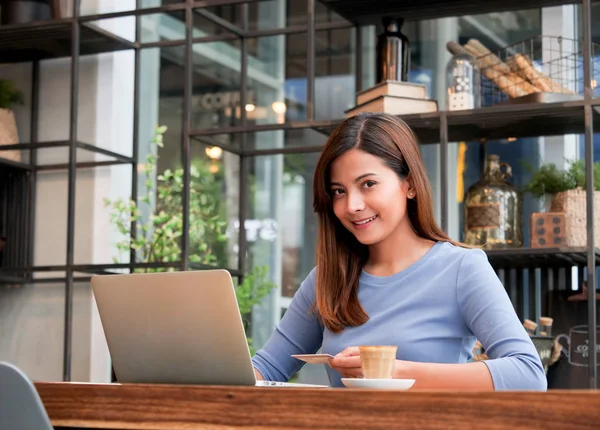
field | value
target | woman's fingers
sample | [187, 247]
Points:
[345, 362]
[349, 352]
[350, 373]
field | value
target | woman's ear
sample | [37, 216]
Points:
[412, 192]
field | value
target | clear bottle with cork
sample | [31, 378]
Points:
[492, 209]
[546, 326]
[530, 327]
[463, 83]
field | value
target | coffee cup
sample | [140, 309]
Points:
[378, 362]
[577, 348]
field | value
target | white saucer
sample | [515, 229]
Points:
[378, 384]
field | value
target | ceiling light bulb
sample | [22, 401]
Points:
[279, 107]
[214, 152]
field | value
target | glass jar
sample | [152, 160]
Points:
[493, 209]
[463, 83]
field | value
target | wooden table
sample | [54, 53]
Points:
[152, 407]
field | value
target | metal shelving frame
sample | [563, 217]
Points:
[77, 36]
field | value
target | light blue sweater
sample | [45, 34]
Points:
[433, 311]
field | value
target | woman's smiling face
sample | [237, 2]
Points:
[368, 197]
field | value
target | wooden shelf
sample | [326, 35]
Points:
[8, 280]
[14, 165]
[54, 155]
[531, 258]
[498, 122]
[52, 39]
[366, 12]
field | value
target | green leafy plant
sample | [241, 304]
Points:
[9, 94]
[549, 179]
[158, 240]
[251, 291]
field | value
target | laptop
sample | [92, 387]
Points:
[176, 328]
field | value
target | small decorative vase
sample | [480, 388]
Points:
[393, 52]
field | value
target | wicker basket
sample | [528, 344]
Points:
[572, 203]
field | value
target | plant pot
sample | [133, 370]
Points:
[9, 135]
[24, 11]
[572, 204]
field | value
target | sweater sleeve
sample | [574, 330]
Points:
[488, 312]
[298, 332]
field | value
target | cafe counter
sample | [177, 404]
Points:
[158, 407]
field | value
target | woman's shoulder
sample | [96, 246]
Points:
[307, 286]
[460, 255]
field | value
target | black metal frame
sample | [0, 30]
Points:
[438, 128]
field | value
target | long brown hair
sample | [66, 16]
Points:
[340, 256]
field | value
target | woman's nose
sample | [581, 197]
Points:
[355, 203]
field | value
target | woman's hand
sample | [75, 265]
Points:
[347, 363]
[465, 376]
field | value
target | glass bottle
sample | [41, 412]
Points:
[393, 52]
[493, 209]
[463, 83]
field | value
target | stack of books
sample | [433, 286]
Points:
[393, 97]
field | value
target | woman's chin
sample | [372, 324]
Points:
[367, 239]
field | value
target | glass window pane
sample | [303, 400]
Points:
[224, 141]
[231, 13]
[160, 103]
[277, 79]
[159, 27]
[280, 227]
[216, 85]
[204, 20]
[595, 18]
[306, 137]
[158, 3]
[272, 14]
[214, 206]
[323, 14]
[334, 69]
[92, 7]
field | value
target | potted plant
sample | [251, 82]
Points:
[158, 239]
[9, 96]
[565, 190]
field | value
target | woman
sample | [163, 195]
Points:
[386, 274]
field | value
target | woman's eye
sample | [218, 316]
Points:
[337, 192]
[369, 184]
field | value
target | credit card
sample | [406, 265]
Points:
[313, 358]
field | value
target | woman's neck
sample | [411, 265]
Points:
[397, 252]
